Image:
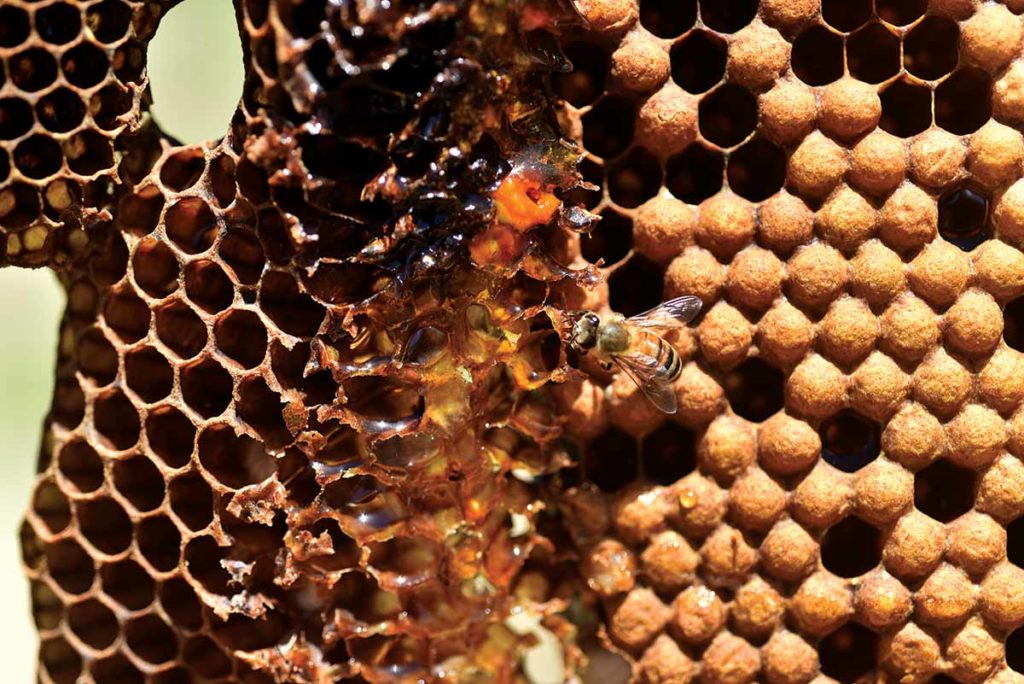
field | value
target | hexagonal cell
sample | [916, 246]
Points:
[755, 390]
[728, 115]
[900, 12]
[105, 525]
[109, 20]
[15, 26]
[139, 481]
[849, 653]
[159, 542]
[243, 254]
[851, 548]
[695, 174]
[148, 374]
[608, 126]
[1015, 650]
[610, 240]
[191, 224]
[171, 435]
[180, 329]
[930, 50]
[611, 461]
[944, 491]
[817, 57]
[116, 420]
[636, 286]
[126, 314]
[634, 178]
[16, 117]
[206, 658]
[293, 312]
[261, 408]
[38, 157]
[585, 82]
[97, 358]
[850, 441]
[963, 102]
[846, 15]
[208, 286]
[32, 69]
[85, 65]
[206, 387]
[236, 461]
[757, 170]
[727, 16]
[181, 604]
[191, 500]
[906, 108]
[93, 623]
[873, 53]
[668, 18]
[151, 639]
[70, 566]
[115, 669]
[62, 663]
[698, 61]
[60, 110]
[182, 169]
[81, 466]
[127, 583]
[963, 217]
[668, 453]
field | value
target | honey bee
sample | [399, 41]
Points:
[631, 345]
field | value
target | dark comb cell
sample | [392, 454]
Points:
[963, 217]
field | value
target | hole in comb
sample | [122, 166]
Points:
[728, 115]
[236, 461]
[1015, 649]
[963, 217]
[14, 26]
[668, 453]
[817, 57]
[151, 639]
[963, 101]
[181, 604]
[850, 441]
[70, 566]
[207, 285]
[52, 507]
[206, 387]
[105, 525]
[608, 126]
[171, 435]
[634, 178]
[900, 12]
[115, 669]
[192, 500]
[755, 390]
[698, 61]
[32, 69]
[695, 174]
[851, 548]
[585, 82]
[611, 461]
[906, 109]
[93, 623]
[139, 481]
[60, 110]
[849, 653]
[668, 18]
[85, 65]
[160, 543]
[930, 49]
[109, 20]
[727, 16]
[62, 663]
[944, 491]
[846, 15]
[611, 239]
[127, 583]
[757, 170]
[81, 466]
[635, 286]
[148, 374]
[873, 54]
[16, 115]
[116, 420]
[182, 170]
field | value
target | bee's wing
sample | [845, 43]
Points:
[643, 370]
[679, 310]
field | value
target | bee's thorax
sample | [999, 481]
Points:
[612, 338]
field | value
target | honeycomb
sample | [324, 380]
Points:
[314, 419]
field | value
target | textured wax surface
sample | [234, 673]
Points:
[840, 494]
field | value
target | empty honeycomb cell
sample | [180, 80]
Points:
[84, 65]
[19, 205]
[242, 337]
[695, 174]
[206, 387]
[62, 663]
[243, 254]
[58, 23]
[16, 118]
[70, 566]
[698, 61]
[906, 108]
[151, 639]
[817, 57]
[586, 81]
[755, 390]
[32, 70]
[116, 420]
[727, 115]
[159, 542]
[139, 481]
[608, 126]
[668, 19]
[191, 500]
[110, 266]
[127, 583]
[962, 101]
[207, 285]
[729, 16]
[68, 403]
[206, 658]
[261, 408]
[612, 476]
[181, 171]
[668, 454]
[930, 48]
[293, 312]
[222, 180]
[180, 603]
[115, 668]
[47, 611]
[93, 623]
[849, 653]
[636, 286]
[852, 532]
[81, 466]
[109, 20]
[16, 26]
[846, 16]
[757, 170]
[944, 491]
[191, 224]
[38, 157]
[129, 61]
[109, 105]
[181, 329]
[148, 374]
[171, 435]
[900, 13]
[60, 110]
[96, 357]
[849, 441]
[634, 178]
[105, 525]
[963, 217]
[236, 461]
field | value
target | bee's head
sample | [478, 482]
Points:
[584, 332]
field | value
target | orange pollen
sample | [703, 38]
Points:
[522, 204]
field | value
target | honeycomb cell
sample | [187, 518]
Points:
[242, 337]
[81, 466]
[38, 157]
[178, 327]
[58, 23]
[608, 126]
[191, 224]
[59, 111]
[900, 12]
[148, 374]
[180, 603]
[206, 387]
[33, 69]
[235, 461]
[846, 16]
[116, 420]
[127, 583]
[61, 662]
[208, 286]
[139, 481]
[16, 118]
[873, 54]
[109, 20]
[586, 81]
[850, 441]
[668, 453]
[906, 108]
[991, 38]
[728, 115]
[729, 16]
[849, 653]
[206, 658]
[851, 533]
[105, 525]
[85, 65]
[243, 255]
[636, 286]
[963, 217]
[695, 174]
[151, 639]
[817, 57]
[668, 19]
[293, 312]
[757, 170]
[51, 506]
[159, 542]
[963, 101]
[70, 566]
[634, 178]
[96, 357]
[171, 435]
[93, 623]
[757, 56]
[698, 61]
[930, 48]
[787, 112]
[16, 26]
[755, 390]
[944, 491]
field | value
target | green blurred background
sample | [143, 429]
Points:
[196, 76]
